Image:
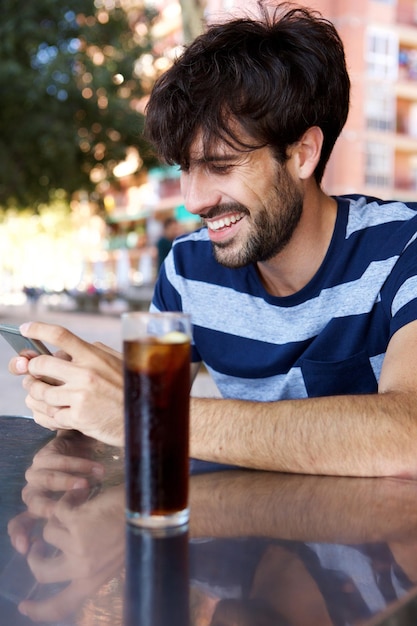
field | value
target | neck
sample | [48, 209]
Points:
[294, 267]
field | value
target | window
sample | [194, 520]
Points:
[413, 173]
[380, 108]
[378, 168]
[381, 54]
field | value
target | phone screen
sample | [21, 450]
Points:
[22, 345]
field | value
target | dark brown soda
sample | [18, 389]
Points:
[157, 396]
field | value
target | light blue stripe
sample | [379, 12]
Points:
[362, 215]
[353, 563]
[376, 364]
[406, 293]
[283, 387]
[253, 318]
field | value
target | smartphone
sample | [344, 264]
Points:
[23, 345]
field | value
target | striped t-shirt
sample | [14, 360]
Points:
[330, 337]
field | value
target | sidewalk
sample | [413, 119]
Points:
[91, 327]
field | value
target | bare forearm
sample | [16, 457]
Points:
[369, 435]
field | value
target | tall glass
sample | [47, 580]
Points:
[156, 350]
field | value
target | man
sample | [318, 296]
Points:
[304, 306]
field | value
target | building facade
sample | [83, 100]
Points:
[377, 151]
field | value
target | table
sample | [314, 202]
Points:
[261, 549]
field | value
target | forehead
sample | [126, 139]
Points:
[230, 137]
[238, 146]
[201, 150]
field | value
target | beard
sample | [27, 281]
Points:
[272, 229]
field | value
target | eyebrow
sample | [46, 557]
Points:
[215, 158]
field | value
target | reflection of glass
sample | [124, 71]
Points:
[157, 583]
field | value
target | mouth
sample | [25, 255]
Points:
[222, 223]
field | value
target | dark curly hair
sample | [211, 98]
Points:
[276, 76]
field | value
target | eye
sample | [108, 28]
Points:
[220, 168]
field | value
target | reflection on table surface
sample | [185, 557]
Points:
[261, 549]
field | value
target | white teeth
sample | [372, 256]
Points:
[222, 223]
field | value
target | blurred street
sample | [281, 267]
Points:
[104, 327]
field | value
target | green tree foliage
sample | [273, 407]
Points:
[70, 94]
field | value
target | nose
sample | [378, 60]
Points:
[198, 191]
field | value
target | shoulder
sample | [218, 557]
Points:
[370, 208]
[365, 213]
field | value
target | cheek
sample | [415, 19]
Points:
[259, 183]
[258, 198]
[250, 192]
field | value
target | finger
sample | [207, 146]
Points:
[39, 414]
[39, 503]
[60, 354]
[62, 418]
[110, 432]
[60, 462]
[18, 365]
[107, 349]
[89, 355]
[46, 368]
[65, 404]
[57, 480]
[43, 503]
[41, 390]
[57, 558]
[58, 607]
[47, 562]
[56, 335]
[78, 375]
[20, 529]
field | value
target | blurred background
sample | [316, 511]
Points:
[83, 204]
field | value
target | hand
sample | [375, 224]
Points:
[90, 396]
[64, 464]
[65, 514]
[86, 536]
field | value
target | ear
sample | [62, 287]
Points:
[307, 151]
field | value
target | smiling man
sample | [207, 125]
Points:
[304, 306]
